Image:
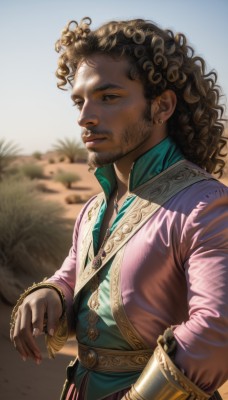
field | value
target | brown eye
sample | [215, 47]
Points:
[78, 104]
[109, 97]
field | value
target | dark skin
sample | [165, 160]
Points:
[115, 130]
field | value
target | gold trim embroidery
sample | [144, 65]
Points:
[93, 304]
[150, 198]
[124, 325]
[168, 367]
[87, 240]
[107, 360]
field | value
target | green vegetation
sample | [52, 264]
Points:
[67, 178]
[37, 155]
[8, 152]
[35, 237]
[12, 171]
[32, 171]
[71, 149]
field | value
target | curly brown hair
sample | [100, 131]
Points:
[161, 60]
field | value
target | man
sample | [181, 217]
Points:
[144, 282]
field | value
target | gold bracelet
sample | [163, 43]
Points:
[56, 342]
[161, 379]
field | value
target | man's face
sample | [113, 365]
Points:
[113, 112]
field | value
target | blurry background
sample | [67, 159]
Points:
[33, 111]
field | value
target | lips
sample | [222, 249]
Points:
[90, 137]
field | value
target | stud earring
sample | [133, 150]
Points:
[160, 121]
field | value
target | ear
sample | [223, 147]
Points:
[163, 107]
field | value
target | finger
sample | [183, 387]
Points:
[38, 318]
[16, 338]
[54, 312]
[27, 333]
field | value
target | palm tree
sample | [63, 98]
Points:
[8, 152]
[70, 148]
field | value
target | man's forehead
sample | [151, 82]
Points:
[102, 64]
[101, 71]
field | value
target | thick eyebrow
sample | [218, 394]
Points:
[107, 86]
[101, 88]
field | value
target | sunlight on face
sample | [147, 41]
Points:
[113, 112]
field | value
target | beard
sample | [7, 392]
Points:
[133, 137]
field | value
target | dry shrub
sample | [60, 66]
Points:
[37, 155]
[67, 178]
[74, 199]
[41, 187]
[32, 171]
[8, 152]
[34, 240]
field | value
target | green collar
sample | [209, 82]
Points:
[148, 165]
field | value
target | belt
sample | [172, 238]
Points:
[100, 359]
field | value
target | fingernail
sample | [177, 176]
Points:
[36, 332]
[51, 332]
[24, 358]
[38, 361]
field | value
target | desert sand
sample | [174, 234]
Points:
[25, 380]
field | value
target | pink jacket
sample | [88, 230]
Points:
[174, 273]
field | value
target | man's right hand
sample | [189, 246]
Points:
[41, 308]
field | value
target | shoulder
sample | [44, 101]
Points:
[206, 193]
[202, 206]
[204, 213]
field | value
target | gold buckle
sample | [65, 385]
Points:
[89, 358]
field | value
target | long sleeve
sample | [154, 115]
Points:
[203, 340]
[178, 277]
[65, 277]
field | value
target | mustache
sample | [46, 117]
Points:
[86, 133]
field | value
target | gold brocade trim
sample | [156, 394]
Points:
[90, 251]
[106, 360]
[57, 341]
[87, 240]
[194, 392]
[150, 197]
[93, 304]
[161, 379]
[132, 395]
[124, 325]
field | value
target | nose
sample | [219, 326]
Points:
[88, 116]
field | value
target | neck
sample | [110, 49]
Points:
[124, 165]
[122, 179]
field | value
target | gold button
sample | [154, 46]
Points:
[93, 333]
[91, 358]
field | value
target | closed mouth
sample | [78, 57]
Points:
[89, 136]
[92, 138]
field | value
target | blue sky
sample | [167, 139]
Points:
[34, 113]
